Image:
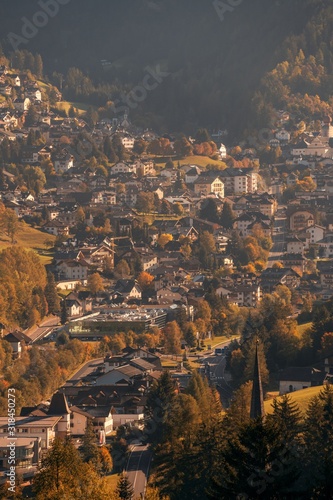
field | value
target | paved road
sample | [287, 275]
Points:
[38, 332]
[279, 240]
[217, 365]
[138, 468]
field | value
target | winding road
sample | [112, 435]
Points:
[138, 469]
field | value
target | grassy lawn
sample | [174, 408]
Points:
[218, 340]
[65, 105]
[44, 86]
[302, 328]
[302, 398]
[30, 238]
[201, 161]
[113, 480]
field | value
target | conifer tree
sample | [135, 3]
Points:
[124, 488]
[159, 402]
[51, 295]
[318, 438]
[89, 448]
[227, 216]
[64, 313]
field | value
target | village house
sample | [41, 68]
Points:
[315, 233]
[326, 276]
[300, 219]
[127, 289]
[297, 378]
[295, 245]
[44, 428]
[35, 154]
[63, 162]
[245, 295]
[205, 185]
[122, 168]
[17, 340]
[238, 181]
[192, 174]
[326, 246]
[272, 277]
[72, 269]
[56, 228]
[294, 261]
[22, 104]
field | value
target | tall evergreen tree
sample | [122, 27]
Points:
[51, 294]
[209, 210]
[89, 448]
[38, 66]
[159, 403]
[64, 313]
[109, 151]
[124, 488]
[227, 216]
[318, 438]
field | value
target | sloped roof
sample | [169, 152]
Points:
[17, 336]
[300, 374]
[58, 404]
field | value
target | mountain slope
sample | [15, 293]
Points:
[215, 60]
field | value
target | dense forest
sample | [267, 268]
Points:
[201, 453]
[219, 67]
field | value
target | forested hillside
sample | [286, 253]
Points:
[215, 60]
[302, 82]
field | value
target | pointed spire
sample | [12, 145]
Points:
[257, 399]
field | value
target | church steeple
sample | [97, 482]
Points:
[257, 398]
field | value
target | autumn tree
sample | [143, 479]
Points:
[105, 463]
[190, 334]
[163, 239]
[140, 146]
[95, 283]
[122, 269]
[249, 354]
[203, 312]
[172, 338]
[34, 178]
[206, 246]
[145, 280]
[145, 202]
[22, 284]
[183, 147]
[9, 223]
[64, 475]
